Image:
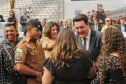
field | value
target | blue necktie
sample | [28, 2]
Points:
[85, 43]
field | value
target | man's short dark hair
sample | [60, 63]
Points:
[100, 5]
[96, 19]
[93, 10]
[122, 18]
[88, 12]
[44, 20]
[10, 24]
[81, 17]
[37, 19]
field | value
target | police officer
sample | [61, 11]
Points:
[29, 55]
[101, 15]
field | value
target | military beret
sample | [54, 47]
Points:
[35, 23]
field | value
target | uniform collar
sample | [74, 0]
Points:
[25, 38]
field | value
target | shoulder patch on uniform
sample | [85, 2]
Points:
[19, 50]
[18, 58]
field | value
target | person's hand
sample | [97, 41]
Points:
[15, 68]
[27, 20]
[51, 45]
[91, 21]
[39, 76]
[100, 21]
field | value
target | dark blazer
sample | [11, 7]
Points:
[23, 22]
[63, 27]
[119, 27]
[99, 27]
[95, 43]
[1, 19]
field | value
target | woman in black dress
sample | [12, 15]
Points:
[112, 60]
[12, 18]
[68, 64]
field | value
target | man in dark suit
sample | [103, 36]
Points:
[96, 25]
[65, 25]
[1, 19]
[57, 22]
[87, 38]
[122, 26]
[70, 23]
[23, 20]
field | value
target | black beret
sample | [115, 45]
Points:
[35, 23]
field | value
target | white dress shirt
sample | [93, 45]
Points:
[25, 17]
[87, 40]
[65, 26]
[29, 11]
[96, 27]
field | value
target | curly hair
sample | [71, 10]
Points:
[65, 46]
[114, 41]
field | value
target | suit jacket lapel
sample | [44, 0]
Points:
[94, 27]
[25, 17]
[119, 27]
[99, 28]
[79, 41]
[92, 40]
[125, 28]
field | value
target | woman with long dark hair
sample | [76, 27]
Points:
[112, 60]
[12, 18]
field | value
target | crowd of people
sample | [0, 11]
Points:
[99, 21]
[85, 50]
